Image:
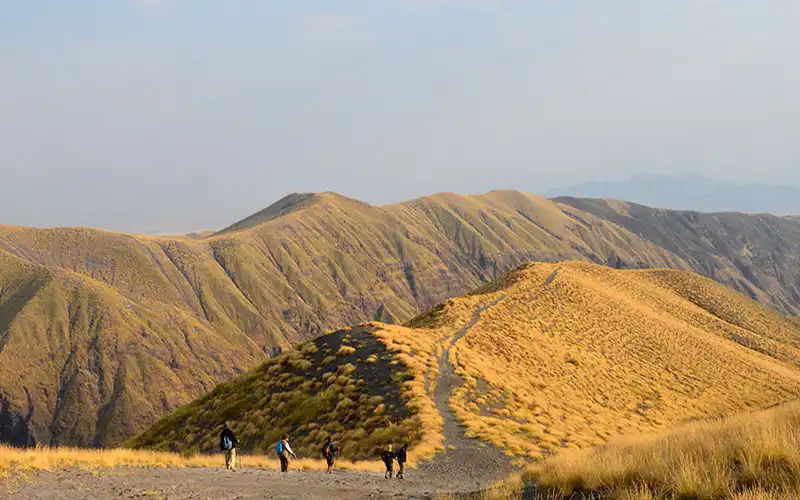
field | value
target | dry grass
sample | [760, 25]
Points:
[16, 460]
[599, 353]
[417, 350]
[752, 456]
[370, 394]
[556, 365]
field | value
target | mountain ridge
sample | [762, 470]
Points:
[336, 262]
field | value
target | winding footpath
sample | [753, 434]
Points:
[467, 464]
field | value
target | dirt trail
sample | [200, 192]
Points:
[467, 464]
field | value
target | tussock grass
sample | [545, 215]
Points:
[16, 460]
[751, 456]
[417, 349]
[597, 353]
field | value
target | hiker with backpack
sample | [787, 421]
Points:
[228, 444]
[402, 457]
[388, 459]
[329, 452]
[284, 451]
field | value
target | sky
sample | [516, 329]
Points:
[160, 116]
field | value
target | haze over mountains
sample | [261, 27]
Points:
[691, 191]
[102, 333]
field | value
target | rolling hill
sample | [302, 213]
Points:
[549, 358]
[101, 333]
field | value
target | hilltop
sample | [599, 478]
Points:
[202, 309]
[550, 358]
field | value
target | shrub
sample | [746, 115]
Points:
[346, 350]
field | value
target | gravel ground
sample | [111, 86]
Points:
[201, 484]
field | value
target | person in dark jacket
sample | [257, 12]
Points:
[329, 452]
[388, 459]
[402, 457]
[228, 444]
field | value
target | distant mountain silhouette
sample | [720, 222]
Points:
[691, 191]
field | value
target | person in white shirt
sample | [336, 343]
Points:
[284, 452]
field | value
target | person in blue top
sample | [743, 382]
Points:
[284, 452]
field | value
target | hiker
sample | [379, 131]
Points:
[388, 459]
[329, 452]
[402, 457]
[228, 444]
[284, 451]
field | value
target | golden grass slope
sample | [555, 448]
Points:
[312, 263]
[753, 456]
[571, 356]
[575, 354]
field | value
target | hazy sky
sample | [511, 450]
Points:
[169, 115]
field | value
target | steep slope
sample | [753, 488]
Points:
[548, 358]
[82, 364]
[311, 263]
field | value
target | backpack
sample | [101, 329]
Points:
[227, 444]
[329, 450]
[279, 448]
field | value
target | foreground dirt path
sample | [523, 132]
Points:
[202, 484]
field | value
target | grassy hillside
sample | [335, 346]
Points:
[81, 360]
[753, 456]
[574, 354]
[348, 384]
[757, 255]
[308, 264]
[551, 358]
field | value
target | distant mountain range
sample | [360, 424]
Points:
[691, 191]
